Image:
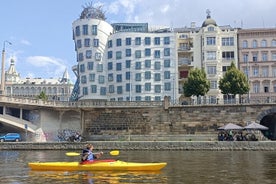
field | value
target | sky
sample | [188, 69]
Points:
[41, 30]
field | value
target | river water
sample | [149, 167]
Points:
[235, 167]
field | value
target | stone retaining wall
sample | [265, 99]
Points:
[148, 145]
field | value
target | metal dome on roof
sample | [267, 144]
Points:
[91, 12]
[209, 20]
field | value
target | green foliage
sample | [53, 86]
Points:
[233, 82]
[42, 96]
[197, 83]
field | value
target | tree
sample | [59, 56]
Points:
[42, 96]
[197, 83]
[234, 82]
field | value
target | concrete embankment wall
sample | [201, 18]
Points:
[147, 145]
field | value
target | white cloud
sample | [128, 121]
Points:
[51, 66]
[25, 42]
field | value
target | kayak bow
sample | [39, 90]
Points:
[100, 165]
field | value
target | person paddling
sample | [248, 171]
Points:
[88, 155]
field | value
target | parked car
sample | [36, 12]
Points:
[10, 137]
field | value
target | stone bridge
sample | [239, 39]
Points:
[104, 120]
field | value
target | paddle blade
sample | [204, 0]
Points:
[72, 154]
[114, 153]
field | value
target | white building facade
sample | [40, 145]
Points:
[124, 62]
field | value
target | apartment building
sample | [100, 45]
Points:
[257, 59]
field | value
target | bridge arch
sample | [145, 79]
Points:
[268, 119]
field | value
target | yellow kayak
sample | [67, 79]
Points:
[101, 165]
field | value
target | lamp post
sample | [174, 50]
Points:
[2, 90]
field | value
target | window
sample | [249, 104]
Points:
[147, 52]
[228, 55]
[225, 68]
[137, 54]
[166, 51]
[83, 79]
[265, 72]
[109, 44]
[138, 77]
[228, 41]
[167, 75]
[92, 77]
[128, 41]
[90, 65]
[138, 65]
[119, 78]
[110, 77]
[211, 28]
[256, 88]
[84, 91]
[147, 98]
[254, 44]
[118, 66]
[273, 56]
[82, 68]
[157, 65]
[255, 71]
[147, 86]
[78, 43]
[78, 31]
[128, 63]
[273, 43]
[147, 41]
[87, 42]
[255, 57]
[102, 91]
[93, 89]
[85, 29]
[244, 44]
[245, 58]
[213, 85]
[211, 55]
[88, 54]
[94, 30]
[211, 40]
[138, 98]
[138, 88]
[157, 41]
[167, 86]
[127, 75]
[166, 40]
[147, 75]
[101, 79]
[109, 65]
[119, 89]
[80, 56]
[96, 42]
[147, 63]
[167, 63]
[98, 56]
[157, 54]
[109, 54]
[157, 77]
[264, 43]
[157, 88]
[127, 86]
[128, 52]
[111, 89]
[118, 55]
[264, 56]
[118, 42]
[157, 98]
[138, 41]
[211, 70]
[99, 67]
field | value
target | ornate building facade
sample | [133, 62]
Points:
[55, 89]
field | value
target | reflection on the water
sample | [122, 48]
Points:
[98, 177]
[182, 167]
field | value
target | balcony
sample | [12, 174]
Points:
[184, 61]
